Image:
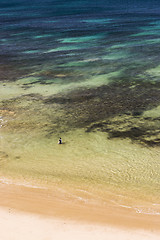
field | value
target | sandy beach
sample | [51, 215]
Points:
[31, 213]
[16, 226]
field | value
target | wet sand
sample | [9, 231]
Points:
[47, 214]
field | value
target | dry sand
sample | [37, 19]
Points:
[18, 226]
[37, 214]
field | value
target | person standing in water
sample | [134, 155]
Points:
[60, 141]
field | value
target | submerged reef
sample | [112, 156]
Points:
[142, 129]
[117, 109]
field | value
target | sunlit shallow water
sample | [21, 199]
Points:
[92, 78]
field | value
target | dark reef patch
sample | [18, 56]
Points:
[3, 157]
[116, 109]
[91, 105]
[140, 129]
[97, 108]
[60, 75]
[10, 73]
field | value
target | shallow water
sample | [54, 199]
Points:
[88, 74]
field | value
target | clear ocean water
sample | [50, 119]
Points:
[88, 72]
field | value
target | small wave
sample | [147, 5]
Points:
[156, 204]
[125, 206]
[147, 211]
[84, 191]
[91, 60]
[81, 199]
[24, 184]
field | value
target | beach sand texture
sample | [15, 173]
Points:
[17, 226]
[33, 213]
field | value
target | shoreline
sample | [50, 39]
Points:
[50, 203]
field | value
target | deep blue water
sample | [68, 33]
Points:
[67, 31]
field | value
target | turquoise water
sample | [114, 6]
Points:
[88, 73]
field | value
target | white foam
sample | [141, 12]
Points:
[156, 204]
[125, 206]
[147, 211]
[76, 197]
[24, 184]
[91, 60]
[84, 191]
